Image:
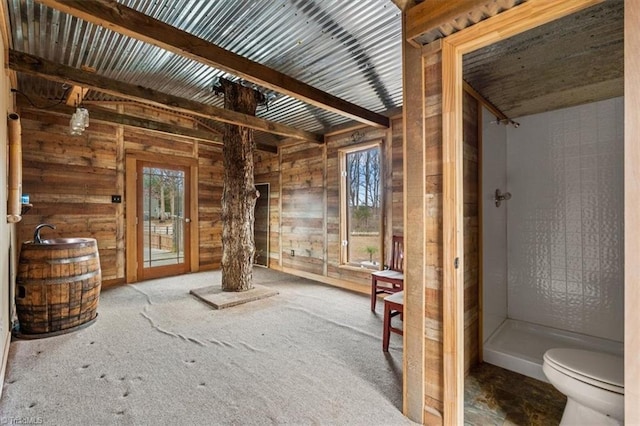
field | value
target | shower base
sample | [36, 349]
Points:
[519, 346]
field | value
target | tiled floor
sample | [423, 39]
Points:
[495, 396]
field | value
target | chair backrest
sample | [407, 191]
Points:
[397, 253]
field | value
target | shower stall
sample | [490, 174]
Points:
[552, 227]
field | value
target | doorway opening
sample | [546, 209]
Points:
[261, 226]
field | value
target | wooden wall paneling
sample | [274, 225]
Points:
[325, 224]
[194, 214]
[139, 140]
[471, 136]
[131, 206]
[56, 166]
[396, 190]
[280, 186]
[267, 170]
[416, 88]
[302, 213]
[210, 171]
[453, 241]
[631, 211]
[335, 186]
[481, 202]
[120, 207]
[433, 216]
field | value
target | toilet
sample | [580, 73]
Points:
[593, 383]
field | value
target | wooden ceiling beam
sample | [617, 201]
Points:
[113, 117]
[431, 14]
[33, 65]
[404, 4]
[76, 95]
[131, 23]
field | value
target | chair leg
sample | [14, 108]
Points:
[374, 295]
[386, 327]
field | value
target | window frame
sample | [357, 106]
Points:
[344, 208]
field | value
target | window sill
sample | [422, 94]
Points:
[356, 268]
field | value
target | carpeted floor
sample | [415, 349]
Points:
[156, 355]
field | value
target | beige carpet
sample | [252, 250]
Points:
[157, 355]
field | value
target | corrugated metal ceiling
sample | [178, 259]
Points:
[349, 49]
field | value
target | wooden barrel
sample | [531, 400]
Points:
[58, 285]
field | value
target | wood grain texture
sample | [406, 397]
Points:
[418, 86]
[131, 23]
[34, 65]
[71, 180]
[632, 213]
[570, 61]
[471, 137]
[431, 14]
[433, 216]
[302, 207]
[453, 229]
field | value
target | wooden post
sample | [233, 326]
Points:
[14, 209]
[239, 193]
[631, 213]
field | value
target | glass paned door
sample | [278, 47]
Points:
[163, 221]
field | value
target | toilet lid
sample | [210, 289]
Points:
[596, 368]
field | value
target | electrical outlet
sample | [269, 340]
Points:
[116, 198]
[293, 253]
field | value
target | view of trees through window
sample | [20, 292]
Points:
[163, 215]
[364, 207]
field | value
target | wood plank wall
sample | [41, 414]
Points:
[434, 385]
[471, 189]
[301, 177]
[70, 181]
[434, 391]
[305, 209]
[302, 207]
[267, 170]
[210, 172]
[394, 218]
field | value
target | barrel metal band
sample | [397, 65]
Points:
[61, 280]
[71, 259]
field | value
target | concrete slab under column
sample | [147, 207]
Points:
[214, 296]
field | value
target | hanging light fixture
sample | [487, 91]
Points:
[79, 119]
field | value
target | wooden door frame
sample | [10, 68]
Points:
[500, 27]
[268, 220]
[131, 208]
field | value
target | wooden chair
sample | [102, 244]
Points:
[390, 280]
[393, 306]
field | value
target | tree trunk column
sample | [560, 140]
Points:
[239, 193]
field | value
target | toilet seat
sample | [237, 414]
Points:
[602, 370]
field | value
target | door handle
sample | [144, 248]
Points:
[186, 219]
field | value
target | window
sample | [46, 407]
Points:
[361, 206]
